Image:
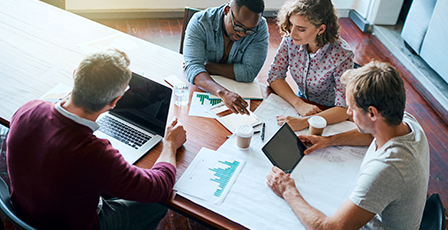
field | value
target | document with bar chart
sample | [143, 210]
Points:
[200, 104]
[210, 176]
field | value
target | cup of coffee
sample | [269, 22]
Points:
[243, 135]
[317, 125]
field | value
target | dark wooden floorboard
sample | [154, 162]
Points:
[420, 103]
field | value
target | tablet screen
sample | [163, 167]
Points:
[284, 149]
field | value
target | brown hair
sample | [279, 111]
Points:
[317, 12]
[378, 84]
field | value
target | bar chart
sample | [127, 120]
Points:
[204, 97]
[210, 176]
[223, 175]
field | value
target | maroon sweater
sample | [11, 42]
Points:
[58, 169]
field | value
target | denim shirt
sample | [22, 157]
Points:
[204, 41]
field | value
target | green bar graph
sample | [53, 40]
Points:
[224, 175]
[204, 97]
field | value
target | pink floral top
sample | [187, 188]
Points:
[317, 74]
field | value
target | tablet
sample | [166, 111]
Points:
[284, 149]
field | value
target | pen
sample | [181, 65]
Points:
[258, 131]
[262, 131]
[256, 125]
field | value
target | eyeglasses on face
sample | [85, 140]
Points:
[239, 28]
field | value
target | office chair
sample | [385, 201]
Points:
[188, 13]
[4, 129]
[5, 207]
[433, 214]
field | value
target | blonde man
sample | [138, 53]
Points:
[391, 190]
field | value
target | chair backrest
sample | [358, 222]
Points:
[6, 208]
[188, 13]
[433, 214]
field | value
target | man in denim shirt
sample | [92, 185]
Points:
[231, 41]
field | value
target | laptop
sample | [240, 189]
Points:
[284, 149]
[137, 123]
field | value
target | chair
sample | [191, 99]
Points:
[5, 207]
[433, 214]
[188, 13]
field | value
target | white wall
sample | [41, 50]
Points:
[152, 5]
[375, 11]
[362, 7]
[159, 5]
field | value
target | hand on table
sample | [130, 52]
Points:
[280, 182]
[235, 102]
[315, 142]
[306, 109]
[296, 123]
[175, 134]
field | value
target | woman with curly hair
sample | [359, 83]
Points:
[316, 58]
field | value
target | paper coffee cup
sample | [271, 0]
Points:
[243, 136]
[317, 125]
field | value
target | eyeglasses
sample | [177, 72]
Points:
[239, 28]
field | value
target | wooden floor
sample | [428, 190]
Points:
[166, 32]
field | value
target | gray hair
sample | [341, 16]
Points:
[100, 78]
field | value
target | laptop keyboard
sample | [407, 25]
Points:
[122, 132]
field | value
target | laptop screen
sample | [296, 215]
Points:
[145, 104]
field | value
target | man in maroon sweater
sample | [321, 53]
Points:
[58, 169]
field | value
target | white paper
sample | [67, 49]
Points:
[231, 120]
[200, 104]
[60, 92]
[268, 111]
[210, 176]
[119, 41]
[245, 90]
[324, 180]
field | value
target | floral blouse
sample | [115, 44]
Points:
[317, 75]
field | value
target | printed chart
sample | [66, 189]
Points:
[200, 104]
[223, 175]
[210, 176]
[204, 98]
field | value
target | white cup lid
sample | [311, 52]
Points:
[317, 122]
[244, 130]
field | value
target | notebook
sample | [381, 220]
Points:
[284, 149]
[137, 123]
[247, 90]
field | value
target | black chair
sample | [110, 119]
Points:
[188, 13]
[4, 129]
[5, 207]
[433, 214]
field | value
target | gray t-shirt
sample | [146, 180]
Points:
[394, 180]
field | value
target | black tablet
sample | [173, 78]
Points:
[284, 149]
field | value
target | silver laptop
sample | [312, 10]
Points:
[137, 123]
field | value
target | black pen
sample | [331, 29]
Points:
[262, 131]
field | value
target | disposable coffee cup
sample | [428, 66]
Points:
[244, 134]
[317, 125]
